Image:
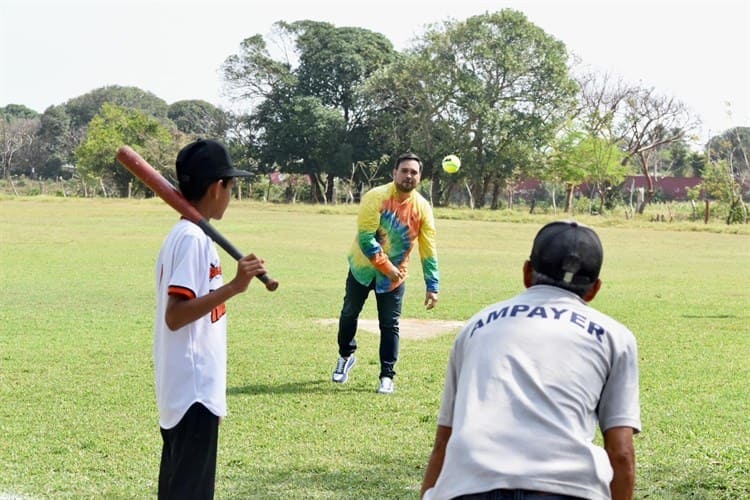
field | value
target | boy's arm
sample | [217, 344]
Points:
[182, 311]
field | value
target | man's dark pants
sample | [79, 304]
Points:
[389, 312]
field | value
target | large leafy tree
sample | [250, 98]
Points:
[82, 109]
[303, 136]
[408, 102]
[495, 88]
[16, 111]
[115, 126]
[63, 127]
[326, 68]
[58, 140]
[199, 119]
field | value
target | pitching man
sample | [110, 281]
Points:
[392, 219]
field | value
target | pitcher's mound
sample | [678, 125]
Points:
[408, 328]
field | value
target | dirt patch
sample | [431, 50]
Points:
[409, 328]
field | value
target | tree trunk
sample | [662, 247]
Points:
[315, 185]
[707, 215]
[554, 201]
[330, 192]
[495, 201]
[471, 196]
[495, 197]
[435, 191]
[568, 198]
[12, 185]
[649, 194]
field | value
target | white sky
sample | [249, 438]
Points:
[54, 50]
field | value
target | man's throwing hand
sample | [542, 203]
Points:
[430, 300]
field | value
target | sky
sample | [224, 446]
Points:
[697, 51]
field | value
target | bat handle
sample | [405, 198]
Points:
[270, 283]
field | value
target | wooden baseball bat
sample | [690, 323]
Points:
[167, 192]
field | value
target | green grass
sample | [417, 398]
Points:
[77, 408]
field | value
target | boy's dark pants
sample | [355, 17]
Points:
[389, 312]
[188, 457]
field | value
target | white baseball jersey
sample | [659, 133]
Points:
[190, 363]
[527, 383]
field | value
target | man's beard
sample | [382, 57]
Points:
[405, 188]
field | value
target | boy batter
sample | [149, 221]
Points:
[190, 329]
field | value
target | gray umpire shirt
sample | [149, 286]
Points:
[528, 381]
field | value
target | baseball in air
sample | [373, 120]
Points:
[451, 164]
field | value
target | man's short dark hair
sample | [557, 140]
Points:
[538, 278]
[408, 156]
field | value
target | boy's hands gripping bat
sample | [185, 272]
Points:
[164, 189]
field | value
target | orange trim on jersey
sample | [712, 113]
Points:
[214, 271]
[181, 291]
[218, 312]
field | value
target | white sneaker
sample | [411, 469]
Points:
[343, 365]
[386, 385]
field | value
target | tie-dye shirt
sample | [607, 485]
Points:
[387, 230]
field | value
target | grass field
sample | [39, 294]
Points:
[77, 408]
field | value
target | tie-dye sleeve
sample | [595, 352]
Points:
[368, 223]
[428, 250]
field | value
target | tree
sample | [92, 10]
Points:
[302, 136]
[564, 164]
[82, 109]
[199, 119]
[18, 130]
[602, 162]
[115, 126]
[720, 183]
[16, 111]
[508, 91]
[58, 139]
[651, 121]
[253, 75]
[323, 74]
[334, 63]
[733, 146]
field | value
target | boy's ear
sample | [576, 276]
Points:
[214, 189]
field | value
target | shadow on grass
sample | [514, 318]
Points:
[710, 316]
[305, 387]
[373, 476]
